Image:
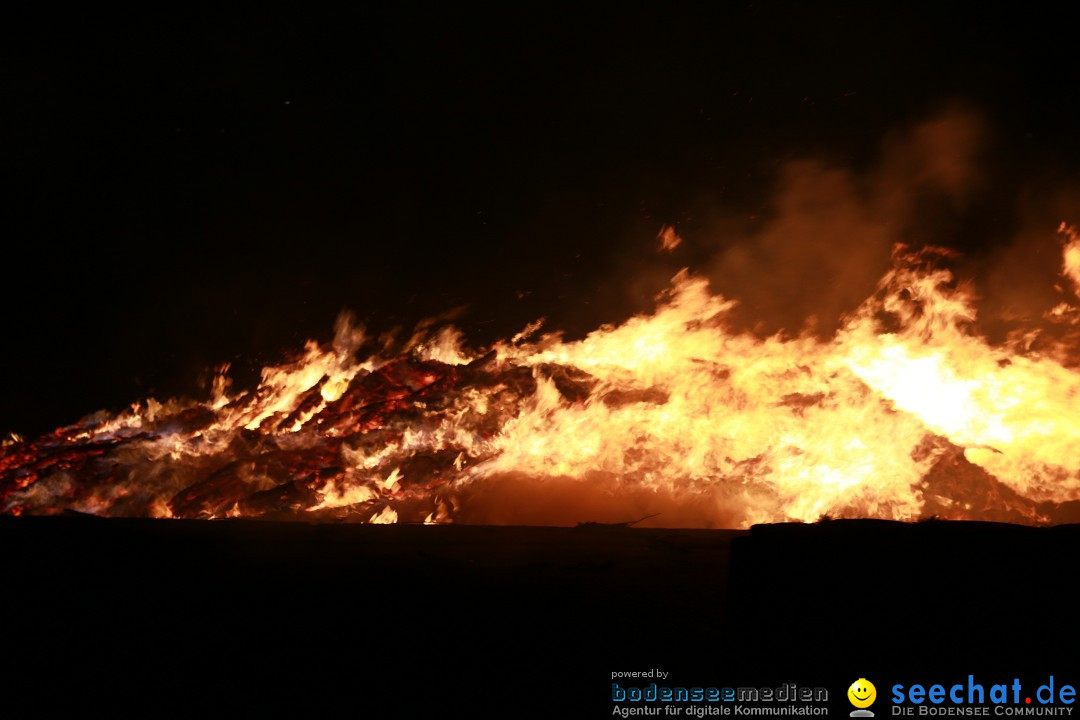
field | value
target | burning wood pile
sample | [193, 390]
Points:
[905, 413]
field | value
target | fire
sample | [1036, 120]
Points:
[905, 412]
[1071, 256]
[669, 239]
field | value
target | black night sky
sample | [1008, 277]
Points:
[182, 190]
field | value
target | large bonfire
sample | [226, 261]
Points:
[906, 412]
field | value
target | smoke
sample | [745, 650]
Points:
[827, 237]
[1022, 282]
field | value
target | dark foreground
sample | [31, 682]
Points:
[153, 617]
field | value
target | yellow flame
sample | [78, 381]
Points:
[669, 412]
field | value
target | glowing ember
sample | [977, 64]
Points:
[669, 239]
[905, 412]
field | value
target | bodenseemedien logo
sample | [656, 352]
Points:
[862, 694]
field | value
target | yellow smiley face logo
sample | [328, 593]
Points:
[862, 693]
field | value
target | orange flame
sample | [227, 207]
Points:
[905, 412]
[669, 239]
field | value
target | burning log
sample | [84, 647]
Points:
[285, 501]
[216, 494]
